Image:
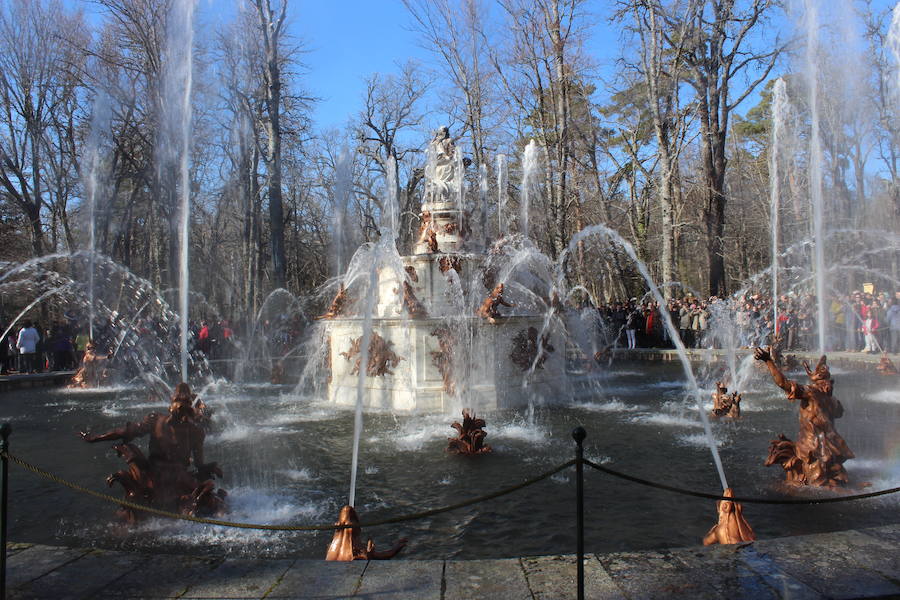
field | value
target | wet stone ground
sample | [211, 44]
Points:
[848, 564]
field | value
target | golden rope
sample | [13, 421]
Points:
[164, 513]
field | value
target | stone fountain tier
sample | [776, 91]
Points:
[407, 374]
[432, 284]
[448, 223]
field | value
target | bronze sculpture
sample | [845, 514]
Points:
[489, 308]
[732, 527]
[470, 435]
[725, 404]
[174, 475]
[885, 366]
[443, 359]
[93, 370]
[413, 307]
[381, 358]
[347, 543]
[819, 451]
[445, 263]
[338, 305]
[427, 233]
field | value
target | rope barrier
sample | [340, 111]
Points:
[677, 490]
[435, 511]
[391, 520]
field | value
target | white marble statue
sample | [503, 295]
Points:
[441, 172]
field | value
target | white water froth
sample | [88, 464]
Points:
[885, 396]
[245, 505]
[240, 431]
[93, 391]
[521, 431]
[667, 420]
[371, 470]
[616, 406]
[697, 439]
[297, 474]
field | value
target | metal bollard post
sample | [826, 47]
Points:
[579, 434]
[5, 430]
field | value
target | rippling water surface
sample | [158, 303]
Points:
[287, 458]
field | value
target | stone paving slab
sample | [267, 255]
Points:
[84, 577]
[502, 579]
[239, 578]
[553, 578]
[829, 568]
[160, 576]
[385, 580]
[319, 579]
[727, 570]
[847, 564]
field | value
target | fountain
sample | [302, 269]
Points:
[429, 343]
[456, 324]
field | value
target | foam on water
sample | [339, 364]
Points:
[665, 419]
[697, 439]
[241, 431]
[371, 470]
[111, 389]
[245, 505]
[297, 474]
[413, 434]
[615, 405]
[519, 430]
[885, 396]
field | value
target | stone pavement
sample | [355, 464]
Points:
[847, 564]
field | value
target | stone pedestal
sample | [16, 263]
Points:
[487, 376]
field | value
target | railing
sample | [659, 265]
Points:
[578, 434]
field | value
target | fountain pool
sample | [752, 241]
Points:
[286, 460]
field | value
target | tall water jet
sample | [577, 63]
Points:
[384, 248]
[177, 79]
[893, 42]
[779, 115]
[502, 197]
[341, 196]
[812, 54]
[483, 203]
[530, 169]
[92, 186]
[670, 327]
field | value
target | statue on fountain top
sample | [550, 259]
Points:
[818, 455]
[347, 543]
[441, 172]
[174, 476]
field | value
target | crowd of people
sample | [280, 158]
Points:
[858, 322]
[30, 347]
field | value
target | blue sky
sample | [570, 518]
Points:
[348, 40]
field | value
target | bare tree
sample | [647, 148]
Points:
[451, 29]
[727, 65]
[271, 26]
[661, 69]
[389, 127]
[36, 85]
